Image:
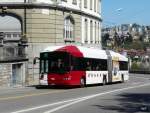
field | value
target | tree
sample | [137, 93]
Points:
[129, 39]
[105, 38]
[117, 40]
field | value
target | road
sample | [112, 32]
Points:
[130, 97]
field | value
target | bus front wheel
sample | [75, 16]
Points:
[104, 80]
[82, 82]
[122, 78]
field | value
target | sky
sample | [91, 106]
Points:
[116, 12]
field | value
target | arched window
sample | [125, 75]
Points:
[91, 4]
[85, 3]
[95, 5]
[98, 32]
[91, 31]
[74, 2]
[95, 32]
[86, 31]
[64, 0]
[69, 28]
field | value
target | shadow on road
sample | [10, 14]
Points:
[68, 87]
[54, 87]
[129, 103]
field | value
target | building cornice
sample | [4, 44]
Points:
[48, 6]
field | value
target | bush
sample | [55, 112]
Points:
[135, 66]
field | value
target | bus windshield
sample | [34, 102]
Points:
[54, 62]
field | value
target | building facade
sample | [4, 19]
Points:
[55, 22]
[12, 59]
[69, 22]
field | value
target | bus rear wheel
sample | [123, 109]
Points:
[122, 78]
[104, 80]
[82, 82]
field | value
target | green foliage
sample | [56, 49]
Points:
[145, 45]
[124, 42]
[105, 38]
[137, 45]
[128, 39]
[135, 66]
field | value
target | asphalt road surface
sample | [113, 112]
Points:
[129, 97]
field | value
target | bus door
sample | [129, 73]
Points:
[115, 69]
[109, 66]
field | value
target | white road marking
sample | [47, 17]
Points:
[44, 106]
[136, 83]
[29, 95]
[66, 105]
[142, 77]
[76, 100]
[92, 96]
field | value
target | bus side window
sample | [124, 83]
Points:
[42, 66]
[88, 66]
[98, 67]
[60, 63]
[46, 66]
[78, 64]
[53, 65]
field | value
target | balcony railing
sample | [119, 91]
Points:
[12, 53]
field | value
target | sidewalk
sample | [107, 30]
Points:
[9, 89]
[9, 86]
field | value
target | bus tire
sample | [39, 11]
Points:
[82, 82]
[104, 80]
[38, 87]
[122, 78]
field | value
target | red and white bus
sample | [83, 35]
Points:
[77, 65]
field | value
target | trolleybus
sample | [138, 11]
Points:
[77, 65]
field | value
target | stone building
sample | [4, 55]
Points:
[12, 59]
[54, 22]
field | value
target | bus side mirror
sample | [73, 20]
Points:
[35, 59]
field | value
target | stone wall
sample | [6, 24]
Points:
[5, 74]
